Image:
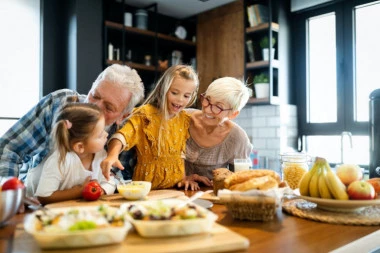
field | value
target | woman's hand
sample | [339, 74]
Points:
[202, 179]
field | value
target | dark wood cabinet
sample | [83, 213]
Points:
[145, 49]
[267, 19]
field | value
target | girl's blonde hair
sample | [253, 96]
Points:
[75, 122]
[158, 97]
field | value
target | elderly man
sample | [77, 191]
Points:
[117, 90]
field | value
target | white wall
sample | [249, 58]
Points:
[272, 129]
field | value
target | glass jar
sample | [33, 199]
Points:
[293, 167]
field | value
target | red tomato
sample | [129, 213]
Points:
[92, 191]
[12, 184]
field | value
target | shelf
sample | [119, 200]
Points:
[171, 38]
[263, 101]
[137, 66]
[135, 30]
[262, 27]
[262, 64]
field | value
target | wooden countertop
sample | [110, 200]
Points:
[286, 233]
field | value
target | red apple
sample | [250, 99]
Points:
[12, 183]
[92, 191]
[349, 173]
[361, 190]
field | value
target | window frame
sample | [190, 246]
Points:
[345, 71]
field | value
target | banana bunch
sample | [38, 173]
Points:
[321, 182]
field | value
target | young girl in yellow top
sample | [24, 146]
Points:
[159, 130]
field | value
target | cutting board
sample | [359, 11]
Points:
[221, 239]
[116, 199]
[211, 197]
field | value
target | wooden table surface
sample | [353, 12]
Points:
[284, 234]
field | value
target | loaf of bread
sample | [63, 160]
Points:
[243, 176]
[255, 183]
[219, 175]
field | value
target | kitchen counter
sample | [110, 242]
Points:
[286, 233]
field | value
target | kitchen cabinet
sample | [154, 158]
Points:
[149, 50]
[220, 36]
[268, 19]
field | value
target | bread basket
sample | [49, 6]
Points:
[253, 205]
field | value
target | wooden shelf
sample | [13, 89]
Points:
[263, 101]
[137, 66]
[135, 30]
[171, 38]
[262, 64]
[262, 27]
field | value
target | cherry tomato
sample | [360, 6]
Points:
[92, 191]
[12, 184]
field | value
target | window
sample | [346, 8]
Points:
[336, 52]
[20, 64]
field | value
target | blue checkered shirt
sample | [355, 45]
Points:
[28, 141]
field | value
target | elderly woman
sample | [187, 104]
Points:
[215, 140]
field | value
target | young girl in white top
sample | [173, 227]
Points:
[79, 138]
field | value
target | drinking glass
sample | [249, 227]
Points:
[242, 164]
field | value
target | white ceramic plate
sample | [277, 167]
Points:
[203, 203]
[166, 228]
[75, 239]
[340, 205]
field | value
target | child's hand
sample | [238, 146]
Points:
[187, 184]
[108, 163]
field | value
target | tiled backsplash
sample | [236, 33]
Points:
[272, 130]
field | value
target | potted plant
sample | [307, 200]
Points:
[261, 84]
[264, 44]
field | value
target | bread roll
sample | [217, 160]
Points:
[218, 178]
[242, 176]
[257, 183]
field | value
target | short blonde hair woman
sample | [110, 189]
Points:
[215, 140]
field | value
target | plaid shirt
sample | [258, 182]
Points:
[27, 142]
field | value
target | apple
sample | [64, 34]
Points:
[361, 190]
[92, 191]
[12, 183]
[349, 173]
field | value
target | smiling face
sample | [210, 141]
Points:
[111, 99]
[209, 115]
[179, 95]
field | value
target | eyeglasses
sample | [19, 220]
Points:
[214, 108]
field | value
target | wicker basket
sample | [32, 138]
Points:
[254, 205]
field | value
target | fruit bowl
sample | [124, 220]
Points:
[340, 205]
[11, 200]
[134, 190]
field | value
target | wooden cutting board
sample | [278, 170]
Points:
[221, 239]
[211, 197]
[116, 199]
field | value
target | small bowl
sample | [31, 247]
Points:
[134, 190]
[11, 200]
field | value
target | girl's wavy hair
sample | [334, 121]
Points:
[158, 97]
[75, 122]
